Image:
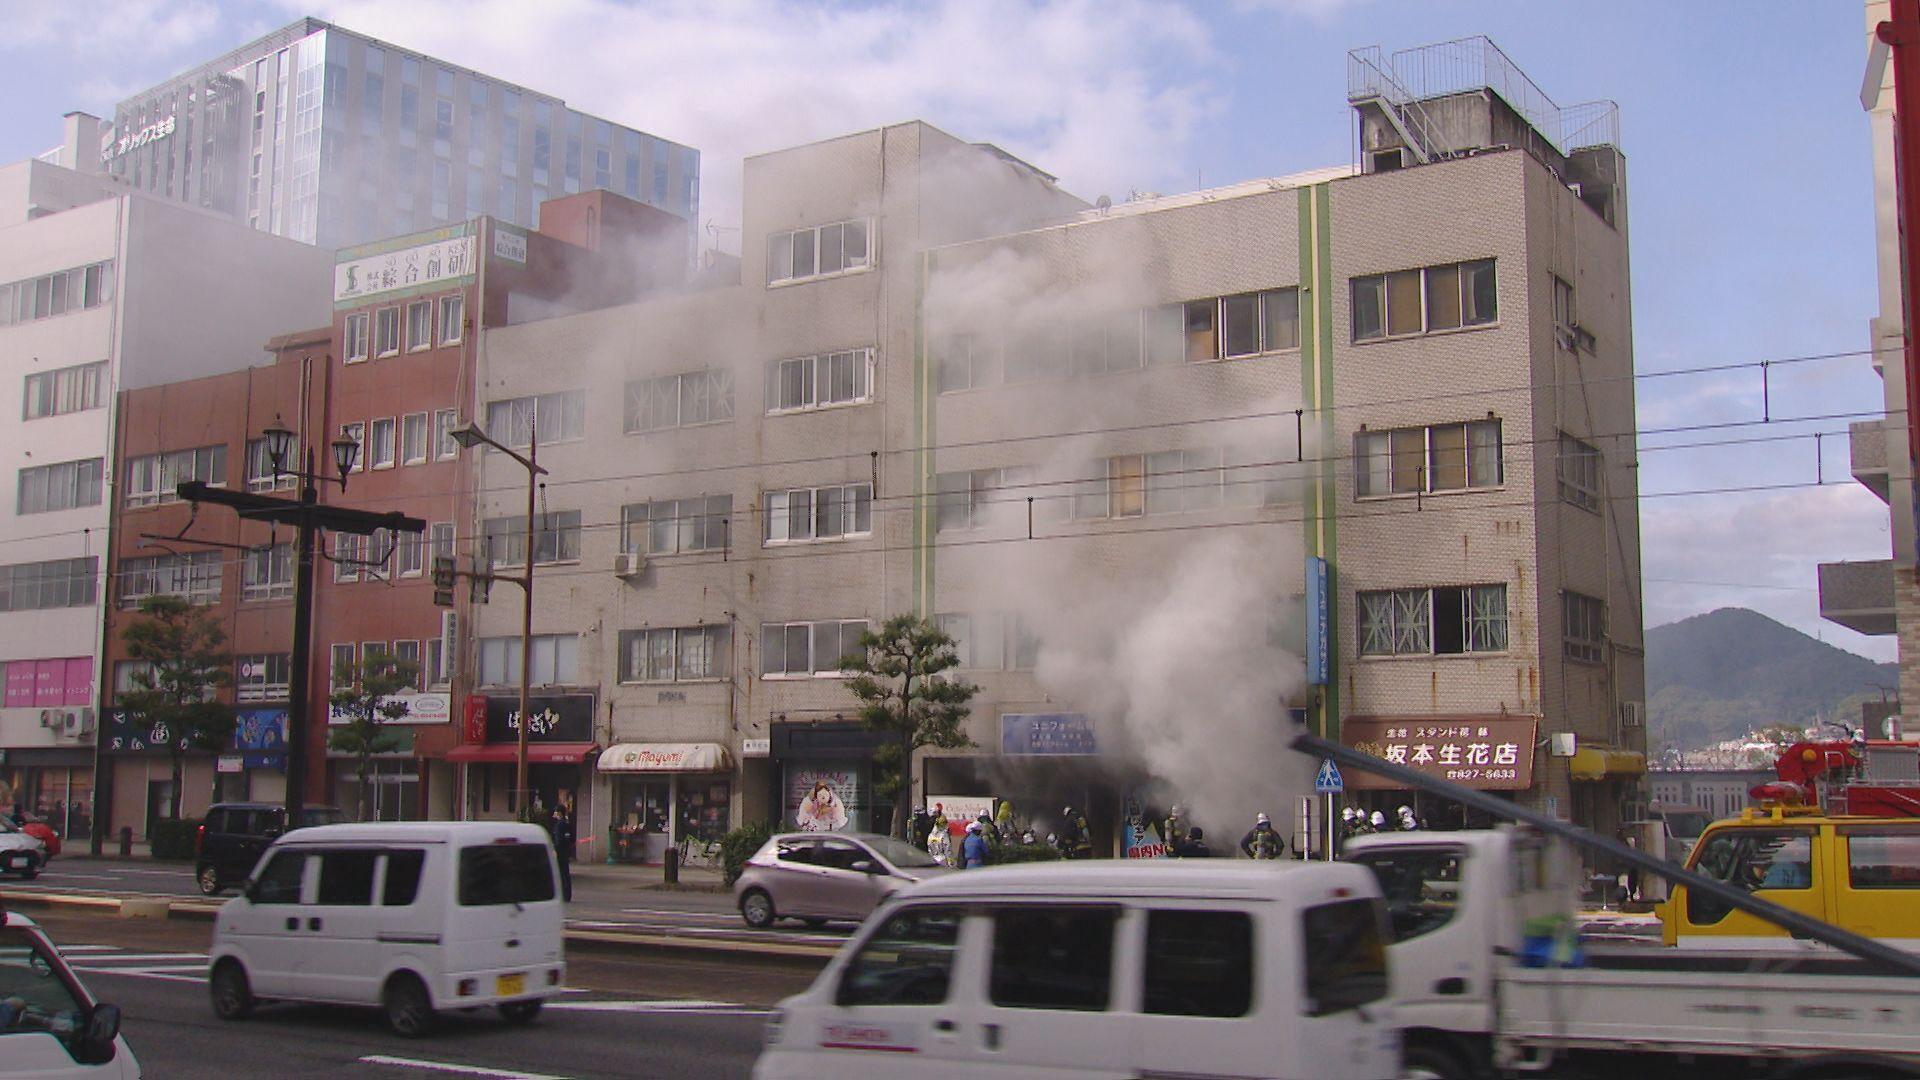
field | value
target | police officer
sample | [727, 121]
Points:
[1261, 842]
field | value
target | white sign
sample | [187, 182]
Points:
[229, 763]
[421, 709]
[159, 129]
[442, 262]
[756, 747]
[961, 808]
[510, 245]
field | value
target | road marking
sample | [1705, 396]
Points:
[671, 1005]
[142, 958]
[138, 973]
[692, 914]
[146, 969]
[66, 949]
[454, 1067]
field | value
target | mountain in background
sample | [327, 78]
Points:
[1723, 674]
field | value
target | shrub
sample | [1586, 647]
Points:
[1013, 853]
[739, 845]
[172, 839]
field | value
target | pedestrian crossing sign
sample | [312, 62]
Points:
[1328, 781]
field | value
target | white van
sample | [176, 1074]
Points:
[413, 917]
[1106, 969]
[50, 1027]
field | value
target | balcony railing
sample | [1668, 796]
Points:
[1471, 64]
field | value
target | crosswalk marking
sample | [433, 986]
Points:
[454, 1067]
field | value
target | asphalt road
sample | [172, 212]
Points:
[626, 1015]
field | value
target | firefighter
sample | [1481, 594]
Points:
[1377, 823]
[1074, 838]
[1261, 842]
[939, 840]
[989, 834]
[975, 849]
[1174, 829]
[917, 827]
[1408, 823]
[1194, 846]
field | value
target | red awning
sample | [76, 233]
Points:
[565, 753]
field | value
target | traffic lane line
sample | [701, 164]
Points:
[454, 1067]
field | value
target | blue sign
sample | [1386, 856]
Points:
[1317, 622]
[1047, 734]
[261, 735]
[1327, 781]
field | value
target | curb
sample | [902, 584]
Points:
[783, 953]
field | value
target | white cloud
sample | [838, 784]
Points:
[116, 28]
[1102, 94]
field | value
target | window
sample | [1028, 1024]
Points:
[403, 877]
[410, 554]
[413, 438]
[58, 293]
[961, 362]
[1179, 480]
[1422, 301]
[1122, 494]
[356, 433]
[279, 881]
[1442, 457]
[909, 960]
[1199, 963]
[670, 526]
[556, 538]
[673, 654]
[261, 677]
[453, 308]
[1565, 317]
[1421, 885]
[354, 347]
[1439, 622]
[380, 551]
[349, 556]
[808, 648]
[67, 390]
[1882, 858]
[812, 382]
[386, 332]
[493, 874]
[267, 574]
[816, 252]
[440, 539]
[346, 878]
[1579, 468]
[153, 478]
[556, 660]
[1345, 955]
[260, 472]
[59, 583]
[557, 416]
[341, 666]
[61, 486]
[1750, 860]
[408, 652]
[965, 499]
[380, 445]
[1585, 626]
[419, 325]
[444, 421]
[679, 400]
[1048, 957]
[826, 513]
[194, 576]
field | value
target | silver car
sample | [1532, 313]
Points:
[818, 877]
[20, 853]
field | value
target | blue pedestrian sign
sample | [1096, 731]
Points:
[1327, 781]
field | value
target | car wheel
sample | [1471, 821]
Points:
[232, 993]
[520, 1012]
[757, 908]
[29, 873]
[208, 878]
[1429, 1062]
[409, 1009]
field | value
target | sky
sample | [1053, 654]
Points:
[1750, 188]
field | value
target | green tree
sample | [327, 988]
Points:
[904, 695]
[367, 695]
[186, 663]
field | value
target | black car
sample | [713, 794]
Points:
[232, 836]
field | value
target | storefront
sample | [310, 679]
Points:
[142, 787]
[54, 784]
[1492, 753]
[560, 753]
[1046, 763]
[394, 775]
[661, 792]
[823, 777]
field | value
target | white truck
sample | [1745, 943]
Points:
[1485, 982]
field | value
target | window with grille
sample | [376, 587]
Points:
[1439, 621]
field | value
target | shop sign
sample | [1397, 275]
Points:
[1035, 734]
[159, 129]
[961, 809]
[1493, 753]
[229, 763]
[755, 747]
[510, 244]
[555, 718]
[1143, 842]
[421, 709]
[128, 734]
[823, 799]
[1319, 622]
[439, 263]
[475, 730]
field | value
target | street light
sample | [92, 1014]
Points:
[470, 435]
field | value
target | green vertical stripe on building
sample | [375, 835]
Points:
[923, 464]
[1320, 510]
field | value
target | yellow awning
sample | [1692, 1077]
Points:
[1605, 763]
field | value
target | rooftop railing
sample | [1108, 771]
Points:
[1476, 63]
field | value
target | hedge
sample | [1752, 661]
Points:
[739, 845]
[172, 839]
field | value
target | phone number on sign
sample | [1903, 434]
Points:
[1482, 775]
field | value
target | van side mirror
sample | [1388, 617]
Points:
[97, 1035]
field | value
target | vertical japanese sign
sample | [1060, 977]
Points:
[1317, 622]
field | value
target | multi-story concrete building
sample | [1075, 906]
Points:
[334, 138]
[101, 291]
[1881, 597]
[1103, 446]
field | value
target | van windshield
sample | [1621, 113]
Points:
[33, 995]
[505, 874]
[1346, 955]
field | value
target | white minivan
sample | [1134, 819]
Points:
[1106, 969]
[413, 917]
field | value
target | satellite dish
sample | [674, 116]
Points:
[1104, 202]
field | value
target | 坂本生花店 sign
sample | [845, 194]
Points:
[1489, 752]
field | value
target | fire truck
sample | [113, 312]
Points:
[1857, 777]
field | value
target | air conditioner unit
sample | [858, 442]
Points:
[1565, 338]
[48, 718]
[1632, 714]
[629, 564]
[85, 729]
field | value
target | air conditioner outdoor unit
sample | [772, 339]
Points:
[1632, 714]
[84, 729]
[629, 564]
[48, 718]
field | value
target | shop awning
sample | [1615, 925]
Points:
[664, 757]
[1605, 763]
[562, 753]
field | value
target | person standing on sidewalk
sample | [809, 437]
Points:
[564, 829]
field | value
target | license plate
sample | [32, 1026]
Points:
[509, 985]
